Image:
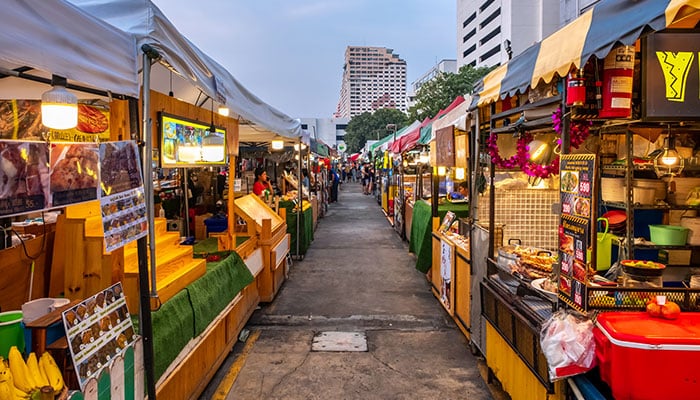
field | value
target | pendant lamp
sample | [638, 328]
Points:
[59, 107]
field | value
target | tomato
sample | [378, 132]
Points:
[653, 309]
[670, 310]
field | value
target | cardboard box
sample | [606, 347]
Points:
[200, 230]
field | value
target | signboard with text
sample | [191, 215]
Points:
[577, 203]
[671, 76]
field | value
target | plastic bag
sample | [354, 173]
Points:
[567, 343]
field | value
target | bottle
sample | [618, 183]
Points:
[161, 212]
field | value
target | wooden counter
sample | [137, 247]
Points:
[16, 271]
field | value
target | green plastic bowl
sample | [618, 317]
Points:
[668, 235]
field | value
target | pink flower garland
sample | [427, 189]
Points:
[578, 132]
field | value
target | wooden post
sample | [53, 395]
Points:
[231, 211]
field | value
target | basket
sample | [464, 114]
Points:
[612, 189]
[693, 225]
[668, 235]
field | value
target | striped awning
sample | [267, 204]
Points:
[607, 24]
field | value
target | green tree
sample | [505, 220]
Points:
[372, 126]
[439, 92]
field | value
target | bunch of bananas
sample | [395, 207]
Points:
[32, 379]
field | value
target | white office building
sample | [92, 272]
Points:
[373, 78]
[489, 32]
[330, 131]
[444, 66]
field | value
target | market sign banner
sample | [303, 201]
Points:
[671, 83]
[21, 120]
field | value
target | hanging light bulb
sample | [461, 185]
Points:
[59, 107]
[223, 111]
[459, 173]
[441, 171]
[424, 158]
[539, 151]
[277, 144]
[669, 162]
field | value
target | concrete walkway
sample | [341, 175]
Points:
[357, 277]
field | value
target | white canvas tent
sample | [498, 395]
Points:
[40, 38]
[193, 72]
[456, 117]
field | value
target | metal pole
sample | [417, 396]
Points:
[186, 176]
[301, 200]
[146, 324]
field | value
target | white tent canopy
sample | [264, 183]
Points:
[457, 117]
[57, 38]
[194, 72]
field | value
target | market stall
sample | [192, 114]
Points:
[603, 129]
[100, 88]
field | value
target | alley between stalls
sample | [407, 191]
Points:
[358, 281]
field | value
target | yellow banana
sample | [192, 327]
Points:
[20, 372]
[20, 395]
[35, 372]
[6, 391]
[52, 372]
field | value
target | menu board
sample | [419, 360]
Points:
[123, 198]
[24, 177]
[577, 209]
[74, 173]
[98, 329]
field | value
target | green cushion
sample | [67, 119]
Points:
[211, 293]
[173, 328]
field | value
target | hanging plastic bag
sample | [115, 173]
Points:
[567, 343]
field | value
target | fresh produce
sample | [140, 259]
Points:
[670, 310]
[7, 389]
[658, 307]
[34, 370]
[20, 372]
[653, 309]
[31, 379]
[52, 372]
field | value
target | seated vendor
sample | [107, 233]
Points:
[462, 191]
[261, 182]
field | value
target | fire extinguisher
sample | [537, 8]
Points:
[575, 90]
[618, 71]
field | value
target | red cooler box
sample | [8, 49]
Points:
[644, 358]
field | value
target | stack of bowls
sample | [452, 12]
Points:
[617, 221]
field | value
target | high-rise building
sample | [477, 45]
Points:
[489, 32]
[373, 78]
[444, 66]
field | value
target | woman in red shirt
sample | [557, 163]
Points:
[261, 182]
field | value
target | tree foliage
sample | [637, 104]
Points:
[439, 92]
[371, 126]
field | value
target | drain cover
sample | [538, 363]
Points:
[339, 341]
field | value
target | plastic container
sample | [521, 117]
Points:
[668, 235]
[37, 308]
[11, 332]
[645, 358]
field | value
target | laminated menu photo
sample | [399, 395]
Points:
[98, 329]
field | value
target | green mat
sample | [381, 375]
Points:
[172, 329]
[211, 293]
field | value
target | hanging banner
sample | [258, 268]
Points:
[21, 119]
[74, 173]
[123, 201]
[24, 177]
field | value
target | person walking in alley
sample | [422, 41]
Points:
[335, 181]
